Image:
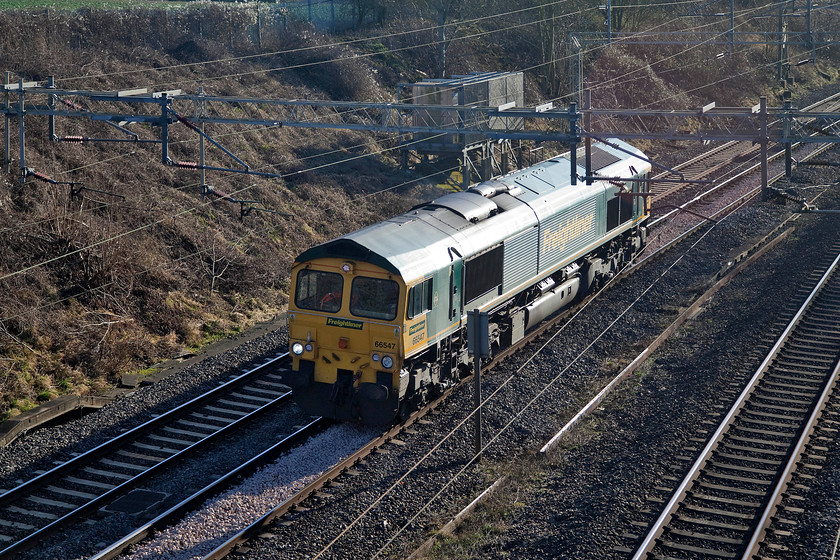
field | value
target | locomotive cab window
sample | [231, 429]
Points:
[374, 298]
[319, 290]
[420, 299]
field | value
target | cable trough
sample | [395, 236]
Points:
[103, 477]
[728, 499]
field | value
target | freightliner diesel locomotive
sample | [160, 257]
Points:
[377, 318]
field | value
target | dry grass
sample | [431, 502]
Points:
[116, 285]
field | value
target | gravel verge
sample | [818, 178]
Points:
[224, 516]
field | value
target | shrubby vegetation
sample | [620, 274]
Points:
[95, 285]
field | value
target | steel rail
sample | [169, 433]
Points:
[120, 441]
[781, 487]
[655, 222]
[687, 164]
[759, 249]
[670, 509]
[751, 169]
[177, 512]
[325, 479]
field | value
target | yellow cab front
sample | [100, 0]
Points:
[344, 338]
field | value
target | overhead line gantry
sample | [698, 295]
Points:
[567, 125]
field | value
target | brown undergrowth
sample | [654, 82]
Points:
[141, 267]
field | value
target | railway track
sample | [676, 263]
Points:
[728, 498]
[725, 154]
[380, 443]
[722, 166]
[177, 512]
[67, 494]
[59, 500]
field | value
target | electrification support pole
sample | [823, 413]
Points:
[609, 22]
[809, 41]
[486, 161]
[51, 119]
[575, 65]
[466, 177]
[201, 144]
[786, 135]
[478, 346]
[21, 111]
[465, 168]
[779, 72]
[587, 125]
[477, 401]
[763, 140]
[732, 26]
[8, 160]
[259, 27]
[164, 130]
[573, 130]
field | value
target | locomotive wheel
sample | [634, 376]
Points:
[405, 409]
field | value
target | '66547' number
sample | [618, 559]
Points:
[384, 345]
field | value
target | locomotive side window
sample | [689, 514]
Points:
[318, 290]
[612, 213]
[420, 299]
[374, 297]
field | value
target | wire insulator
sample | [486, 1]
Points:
[187, 122]
[73, 105]
[221, 195]
[72, 139]
[42, 177]
[187, 164]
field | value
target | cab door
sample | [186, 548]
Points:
[456, 281]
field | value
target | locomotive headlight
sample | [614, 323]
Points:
[309, 347]
[375, 357]
[387, 362]
[297, 348]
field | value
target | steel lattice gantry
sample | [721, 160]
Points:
[157, 112]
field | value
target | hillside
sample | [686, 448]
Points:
[98, 285]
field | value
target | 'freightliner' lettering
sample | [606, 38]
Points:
[344, 323]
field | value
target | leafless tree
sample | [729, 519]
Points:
[364, 8]
[217, 264]
[218, 258]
